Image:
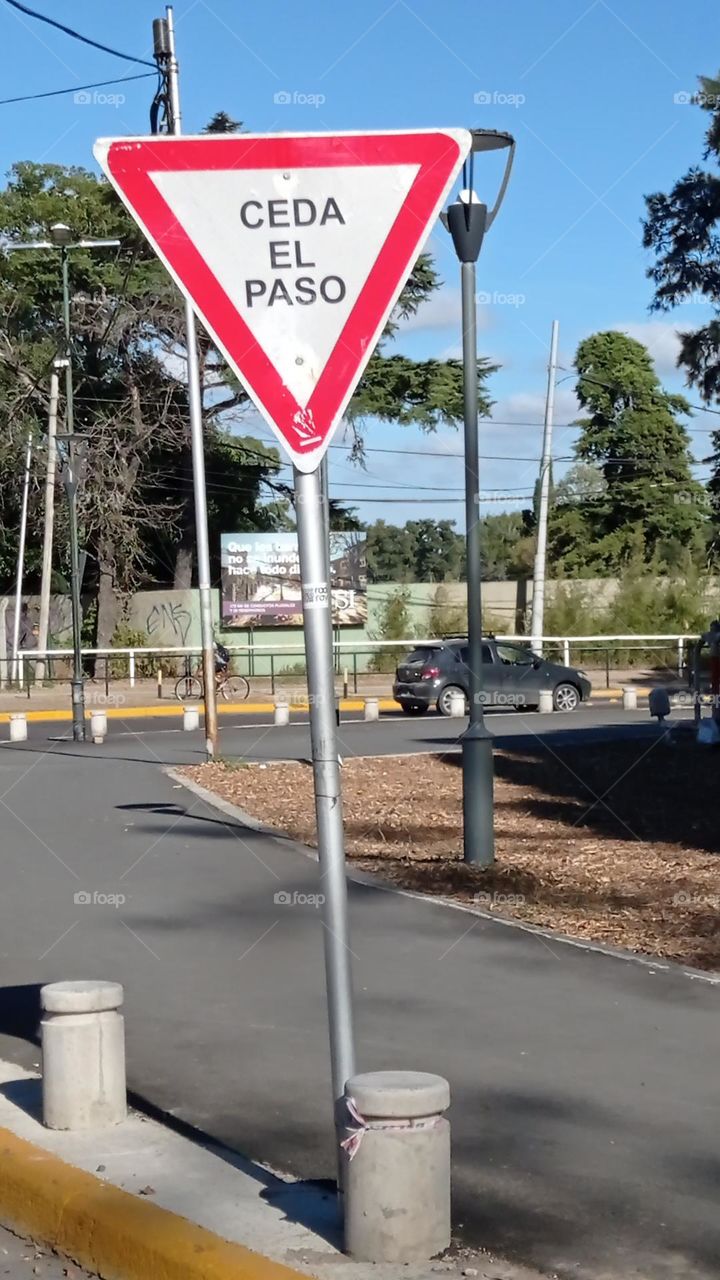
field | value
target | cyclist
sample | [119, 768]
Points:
[222, 661]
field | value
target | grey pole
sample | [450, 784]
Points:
[51, 468]
[198, 457]
[21, 560]
[538, 597]
[77, 685]
[317, 620]
[476, 742]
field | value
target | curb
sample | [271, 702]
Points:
[110, 1231]
[150, 712]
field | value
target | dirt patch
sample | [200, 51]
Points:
[617, 843]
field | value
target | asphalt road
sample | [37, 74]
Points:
[584, 1085]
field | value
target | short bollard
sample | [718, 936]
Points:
[83, 1055]
[629, 696]
[397, 1175]
[98, 726]
[546, 700]
[191, 718]
[457, 705]
[282, 712]
[372, 709]
[18, 728]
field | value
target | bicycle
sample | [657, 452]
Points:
[230, 688]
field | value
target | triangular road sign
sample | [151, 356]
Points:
[293, 250]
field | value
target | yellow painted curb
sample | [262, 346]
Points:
[119, 1235]
[150, 712]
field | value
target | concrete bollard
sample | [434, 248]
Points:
[546, 702]
[191, 718]
[83, 1055]
[98, 726]
[397, 1177]
[629, 697]
[282, 712]
[372, 709]
[457, 705]
[18, 727]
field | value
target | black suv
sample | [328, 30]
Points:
[512, 676]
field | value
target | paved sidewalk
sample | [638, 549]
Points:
[584, 1085]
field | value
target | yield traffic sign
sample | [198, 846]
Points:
[292, 249]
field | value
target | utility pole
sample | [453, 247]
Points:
[538, 598]
[21, 561]
[51, 468]
[164, 46]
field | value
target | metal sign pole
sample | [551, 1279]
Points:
[326, 769]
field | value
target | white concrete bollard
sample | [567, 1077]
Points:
[372, 709]
[98, 726]
[397, 1177]
[191, 718]
[282, 712]
[83, 1055]
[629, 696]
[546, 700]
[18, 727]
[457, 705]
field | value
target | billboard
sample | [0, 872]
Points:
[261, 580]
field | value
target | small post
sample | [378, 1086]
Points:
[191, 718]
[345, 682]
[132, 668]
[18, 727]
[681, 655]
[457, 706]
[107, 676]
[21, 669]
[629, 698]
[372, 709]
[545, 701]
[282, 712]
[397, 1177]
[566, 653]
[355, 687]
[272, 674]
[607, 668]
[98, 726]
[83, 1053]
[159, 682]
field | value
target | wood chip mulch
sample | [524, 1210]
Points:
[618, 844]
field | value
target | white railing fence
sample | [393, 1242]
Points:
[348, 648]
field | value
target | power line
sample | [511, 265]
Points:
[76, 35]
[78, 88]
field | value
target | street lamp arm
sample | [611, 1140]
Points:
[503, 186]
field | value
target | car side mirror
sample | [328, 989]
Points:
[536, 662]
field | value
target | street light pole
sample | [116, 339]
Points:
[21, 559]
[467, 220]
[538, 596]
[49, 523]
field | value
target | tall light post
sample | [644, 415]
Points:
[62, 239]
[467, 220]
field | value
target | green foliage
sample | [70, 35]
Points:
[394, 623]
[445, 617]
[682, 229]
[642, 499]
[124, 637]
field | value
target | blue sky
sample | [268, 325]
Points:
[593, 93]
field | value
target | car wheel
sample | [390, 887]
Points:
[414, 708]
[566, 697]
[443, 702]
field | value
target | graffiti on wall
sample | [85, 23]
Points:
[168, 616]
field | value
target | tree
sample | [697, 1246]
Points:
[505, 545]
[637, 445]
[682, 229]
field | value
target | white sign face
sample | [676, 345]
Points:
[293, 250]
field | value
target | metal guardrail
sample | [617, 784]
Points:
[603, 644]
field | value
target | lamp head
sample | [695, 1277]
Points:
[61, 235]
